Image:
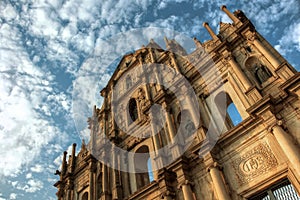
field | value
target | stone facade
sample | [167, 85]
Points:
[195, 147]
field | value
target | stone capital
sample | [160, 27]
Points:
[251, 36]
[214, 165]
[277, 123]
[185, 182]
[228, 56]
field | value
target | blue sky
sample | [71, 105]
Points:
[45, 44]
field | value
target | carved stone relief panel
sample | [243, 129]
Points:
[254, 163]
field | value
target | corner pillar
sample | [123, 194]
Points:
[187, 191]
[218, 182]
[92, 169]
[105, 186]
[171, 129]
[154, 133]
[288, 146]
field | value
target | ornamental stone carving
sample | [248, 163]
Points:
[253, 163]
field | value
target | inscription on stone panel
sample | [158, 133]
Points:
[253, 163]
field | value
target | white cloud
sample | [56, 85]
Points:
[24, 88]
[34, 185]
[31, 186]
[42, 24]
[29, 175]
[38, 168]
[13, 196]
[267, 13]
[14, 183]
[9, 11]
[290, 40]
[39, 36]
[164, 3]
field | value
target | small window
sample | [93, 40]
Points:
[281, 191]
[133, 110]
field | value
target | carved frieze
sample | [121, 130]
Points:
[254, 163]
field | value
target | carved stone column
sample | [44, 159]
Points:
[154, 132]
[113, 114]
[105, 185]
[171, 129]
[158, 79]
[210, 31]
[238, 71]
[218, 183]
[230, 15]
[288, 146]
[116, 190]
[184, 178]
[114, 174]
[145, 78]
[124, 179]
[270, 57]
[187, 191]
[193, 108]
[92, 169]
[69, 190]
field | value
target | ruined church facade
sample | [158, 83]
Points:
[220, 123]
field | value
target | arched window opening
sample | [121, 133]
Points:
[143, 167]
[227, 110]
[85, 196]
[99, 186]
[234, 114]
[128, 82]
[133, 110]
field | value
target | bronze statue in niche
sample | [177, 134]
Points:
[262, 73]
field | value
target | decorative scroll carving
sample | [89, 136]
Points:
[251, 37]
[141, 97]
[254, 163]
